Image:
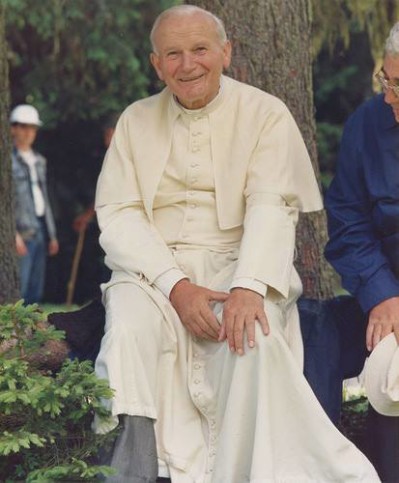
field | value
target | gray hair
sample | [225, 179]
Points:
[392, 42]
[186, 10]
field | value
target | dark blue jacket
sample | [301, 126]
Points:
[363, 205]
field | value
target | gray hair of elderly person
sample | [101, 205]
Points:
[186, 10]
[392, 42]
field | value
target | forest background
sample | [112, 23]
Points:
[81, 61]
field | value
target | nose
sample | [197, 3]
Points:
[187, 61]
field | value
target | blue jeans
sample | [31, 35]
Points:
[32, 267]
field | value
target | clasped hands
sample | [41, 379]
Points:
[242, 309]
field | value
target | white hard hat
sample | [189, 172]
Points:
[25, 114]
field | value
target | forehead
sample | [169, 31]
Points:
[184, 29]
[391, 66]
[25, 127]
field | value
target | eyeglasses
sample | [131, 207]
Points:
[385, 83]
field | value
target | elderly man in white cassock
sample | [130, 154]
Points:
[197, 202]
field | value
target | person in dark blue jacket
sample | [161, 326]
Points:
[363, 220]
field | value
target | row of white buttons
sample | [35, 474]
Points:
[211, 422]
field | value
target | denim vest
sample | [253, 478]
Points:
[27, 222]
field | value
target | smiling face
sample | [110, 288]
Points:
[190, 58]
[391, 72]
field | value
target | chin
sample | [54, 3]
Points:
[195, 102]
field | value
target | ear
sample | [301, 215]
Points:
[156, 63]
[226, 54]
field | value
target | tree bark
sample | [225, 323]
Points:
[8, 265]
[272, 51]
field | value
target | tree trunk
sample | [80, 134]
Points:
[8, 264]
[272, 51]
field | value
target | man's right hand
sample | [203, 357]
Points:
[193, 306]
[20, 245]
[383, 319]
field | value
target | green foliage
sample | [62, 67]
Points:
[335, 20]
[79, 60]
[45, 418]
[16, 321]
[353, 422]
[328, 139]
[341, 83]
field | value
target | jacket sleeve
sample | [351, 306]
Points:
[353, 249]
[280, 183]
[131, 242]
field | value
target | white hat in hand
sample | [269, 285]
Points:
[382, 377]
[25, 114]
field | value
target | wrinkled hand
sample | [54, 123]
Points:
[193, 305]
[53, 247]
[383, 319]
[240, 312]
[20, 245]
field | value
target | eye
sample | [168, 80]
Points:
[200, 50]
[172, 54]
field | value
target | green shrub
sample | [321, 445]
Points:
[46, 415]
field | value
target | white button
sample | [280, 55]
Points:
[195, 149]
[193, 205]
[184, 235]
[197, 366]
[196, 394]
[194, 165]
[197, 381]
[191, 193]
[195, 354]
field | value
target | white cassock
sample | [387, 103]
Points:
[213, 195]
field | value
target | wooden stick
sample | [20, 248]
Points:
[75, 266]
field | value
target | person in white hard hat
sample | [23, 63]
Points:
[35, 227]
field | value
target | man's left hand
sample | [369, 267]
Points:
[240, 312]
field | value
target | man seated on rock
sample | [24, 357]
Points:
[197, 202]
